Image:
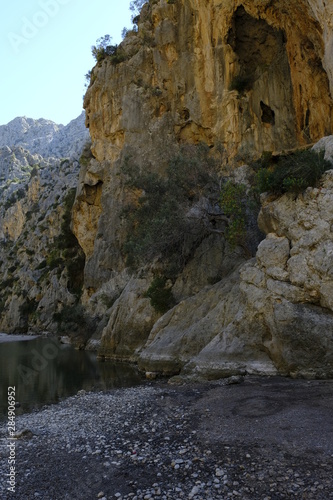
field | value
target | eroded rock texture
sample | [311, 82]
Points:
[243, 77]
[274, 314]
[252, 76]
[41, 263]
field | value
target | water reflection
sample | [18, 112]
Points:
[45, 371]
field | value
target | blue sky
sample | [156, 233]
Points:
[45, 52]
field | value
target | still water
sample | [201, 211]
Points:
[44, 371]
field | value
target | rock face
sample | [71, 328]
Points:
[274, 314]
[254, 75]
[242, 77]
[248, 76]
[41, 268]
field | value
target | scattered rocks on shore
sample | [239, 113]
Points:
[262, 439]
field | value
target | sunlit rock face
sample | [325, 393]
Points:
[255, 75]
[243, 77]
[251, 76]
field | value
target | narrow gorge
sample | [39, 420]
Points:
[159, 273]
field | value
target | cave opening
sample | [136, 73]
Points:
[257, 44]
[268, 121]
[267, 114]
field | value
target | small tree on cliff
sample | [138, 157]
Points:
[103, 48]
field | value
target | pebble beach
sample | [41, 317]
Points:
[246, 438]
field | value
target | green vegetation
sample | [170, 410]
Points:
[33, 210]
[16, 196]
[28, 308]
[66, 239]
[42, 265]
[70, 317]
[34, 171]
[86, 155]
[161, 297]
[104, 49]
[163, 221]
[108, 301]
[157, 221]
[53, 260]
[69, 314]
[292, 172]
[66, 252]
[233, 201]
[8, 283]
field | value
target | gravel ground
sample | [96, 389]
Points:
[262, 438]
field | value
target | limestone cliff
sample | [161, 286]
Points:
[242, 77]
[251, 76]
[41, 263]
[255, 75]
[187, 101]
[274, 313]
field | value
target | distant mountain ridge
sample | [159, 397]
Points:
[41, 263]
[46, 138]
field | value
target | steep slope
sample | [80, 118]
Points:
[41, 263]
[236, 75]
[275, 313]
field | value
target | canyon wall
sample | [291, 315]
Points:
[243, 77]
[254, 75]
[41, 263]
[274, 313]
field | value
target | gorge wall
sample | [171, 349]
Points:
[274, 313]
[254, 75]
[41, 263]
[177, 85]
[243, 77]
